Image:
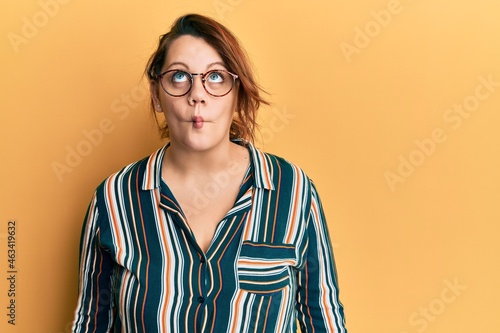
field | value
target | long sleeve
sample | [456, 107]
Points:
[319, 307]
[94, 312]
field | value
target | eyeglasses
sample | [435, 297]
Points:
[178, 83]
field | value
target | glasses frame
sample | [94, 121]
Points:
[203, 80]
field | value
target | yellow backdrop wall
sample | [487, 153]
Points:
[391, 106]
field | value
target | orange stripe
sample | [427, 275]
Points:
[264, 264]
[219, 267]
[249, 224]
[267, 311]
[258, 315]
[296, 204]
[263, 158]
[282, 313]
[237, 315]
[163, 303]
[123, 295]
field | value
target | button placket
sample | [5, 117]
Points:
[203, 278]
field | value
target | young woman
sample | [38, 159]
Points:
[208, 234]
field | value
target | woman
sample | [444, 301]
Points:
[208, 234]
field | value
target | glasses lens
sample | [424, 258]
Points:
[176, 82]
[218, 82]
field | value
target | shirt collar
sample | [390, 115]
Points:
[263, 169]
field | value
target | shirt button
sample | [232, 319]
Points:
[201, 299]
[202, 260]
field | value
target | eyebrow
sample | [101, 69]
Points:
[187, 67]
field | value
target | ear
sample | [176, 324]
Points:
[154, 90]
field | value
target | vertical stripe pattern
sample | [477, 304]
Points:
[270, 264]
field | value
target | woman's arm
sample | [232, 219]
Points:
[319, 307]
[94, 312]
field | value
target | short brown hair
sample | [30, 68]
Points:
[226, 44]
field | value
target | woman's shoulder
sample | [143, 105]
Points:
[278, 168]
[143, 173]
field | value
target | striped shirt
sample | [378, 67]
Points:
[269, 268]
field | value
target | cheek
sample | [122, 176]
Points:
[222, 108]
[229, 110]
[233, 103]
[172, 107]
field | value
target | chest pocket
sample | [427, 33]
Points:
[265, 268]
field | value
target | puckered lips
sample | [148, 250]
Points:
[197, 121]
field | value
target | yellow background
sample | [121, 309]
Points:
[356, 92]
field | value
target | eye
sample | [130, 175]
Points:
[216, 77]
[180, 76]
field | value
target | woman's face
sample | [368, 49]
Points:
[197, 121]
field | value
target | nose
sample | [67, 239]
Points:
[197, 94]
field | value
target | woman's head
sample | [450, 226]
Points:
[234, 59]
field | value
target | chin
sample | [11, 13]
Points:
[204, 143]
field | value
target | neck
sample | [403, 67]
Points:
[190, 162]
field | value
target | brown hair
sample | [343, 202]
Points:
[233, 55]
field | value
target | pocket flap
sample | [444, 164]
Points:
[265, 267]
